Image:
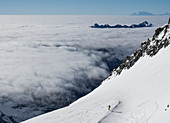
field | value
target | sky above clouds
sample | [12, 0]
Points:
[82, 7]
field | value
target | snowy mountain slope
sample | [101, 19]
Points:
[139, 94]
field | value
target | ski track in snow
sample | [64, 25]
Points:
[111, 111]
[138, 115]
[86, 113]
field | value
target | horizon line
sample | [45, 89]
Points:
[89, 14]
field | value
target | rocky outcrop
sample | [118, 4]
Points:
[151, 47]
[169, 21]
[143, 24]
[6, 119]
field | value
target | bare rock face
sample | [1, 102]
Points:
[157, 32]
[6, 119]
[169, 21]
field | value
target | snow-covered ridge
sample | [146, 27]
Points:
[151, 47]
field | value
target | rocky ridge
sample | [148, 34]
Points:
[151, 47]
[143, 24]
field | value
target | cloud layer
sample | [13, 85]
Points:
[48, 62]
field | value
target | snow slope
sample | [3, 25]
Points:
[138, 95]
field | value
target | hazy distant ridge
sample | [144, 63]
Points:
[149, 13]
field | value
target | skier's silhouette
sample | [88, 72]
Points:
[109, 107]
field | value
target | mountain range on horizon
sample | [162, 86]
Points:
[149, 13]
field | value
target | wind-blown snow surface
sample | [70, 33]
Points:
[47, 62]
[138, 95]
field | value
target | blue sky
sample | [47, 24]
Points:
[83, 7]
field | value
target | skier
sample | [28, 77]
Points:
[167, 107]
[109, 107]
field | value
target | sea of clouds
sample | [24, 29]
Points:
[47, 62]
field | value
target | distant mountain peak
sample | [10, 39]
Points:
[167, 13]
[143, 24]
[144, 13]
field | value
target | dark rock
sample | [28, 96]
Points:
[157, 32]
[6, 119]
[143, 24]
[166, 43]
